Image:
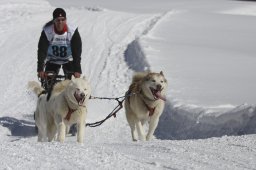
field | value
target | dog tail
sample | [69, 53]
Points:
[35, 87]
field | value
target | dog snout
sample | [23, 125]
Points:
[82, 95]
[159, 87]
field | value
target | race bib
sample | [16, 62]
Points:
[59, 50]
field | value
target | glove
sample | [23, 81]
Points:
[41, 74]
[77, 75]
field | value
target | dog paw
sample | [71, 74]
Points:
[61, 139]
[148, 137]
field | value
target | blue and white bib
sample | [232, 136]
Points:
[59, 50]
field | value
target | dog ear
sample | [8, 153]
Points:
[162, 74]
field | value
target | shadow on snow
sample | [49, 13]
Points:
[21, 128]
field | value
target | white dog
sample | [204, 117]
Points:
[145, 102]
[66, 106]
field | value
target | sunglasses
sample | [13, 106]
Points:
[60, 19]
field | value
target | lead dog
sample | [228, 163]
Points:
[66, 106]
[145, 103]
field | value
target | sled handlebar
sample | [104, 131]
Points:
[50, 78]
[54, 75]
[50, 75]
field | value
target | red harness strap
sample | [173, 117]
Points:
[70, 111]
[150, 109]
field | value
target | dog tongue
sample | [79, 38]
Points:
[158, 94]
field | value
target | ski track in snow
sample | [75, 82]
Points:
[107, 36]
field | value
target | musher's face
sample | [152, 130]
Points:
[60, 22]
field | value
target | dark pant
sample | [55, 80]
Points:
[67, 68]
[48, 83]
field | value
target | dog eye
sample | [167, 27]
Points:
[162, 81]
[85, 89]
[154, 81]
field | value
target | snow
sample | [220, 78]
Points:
[205, 49]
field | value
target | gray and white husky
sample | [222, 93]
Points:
[145, 103]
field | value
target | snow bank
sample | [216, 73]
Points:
[193, 122]
[184, 121]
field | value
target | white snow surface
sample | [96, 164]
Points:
[206, 49]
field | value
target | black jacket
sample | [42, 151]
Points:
[76, 48]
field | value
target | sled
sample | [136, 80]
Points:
[52, 78]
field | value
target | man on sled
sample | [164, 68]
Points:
[59, 46]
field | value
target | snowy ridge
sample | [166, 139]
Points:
[134, 54]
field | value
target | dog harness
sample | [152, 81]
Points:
[150, 109]
[70, 111]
